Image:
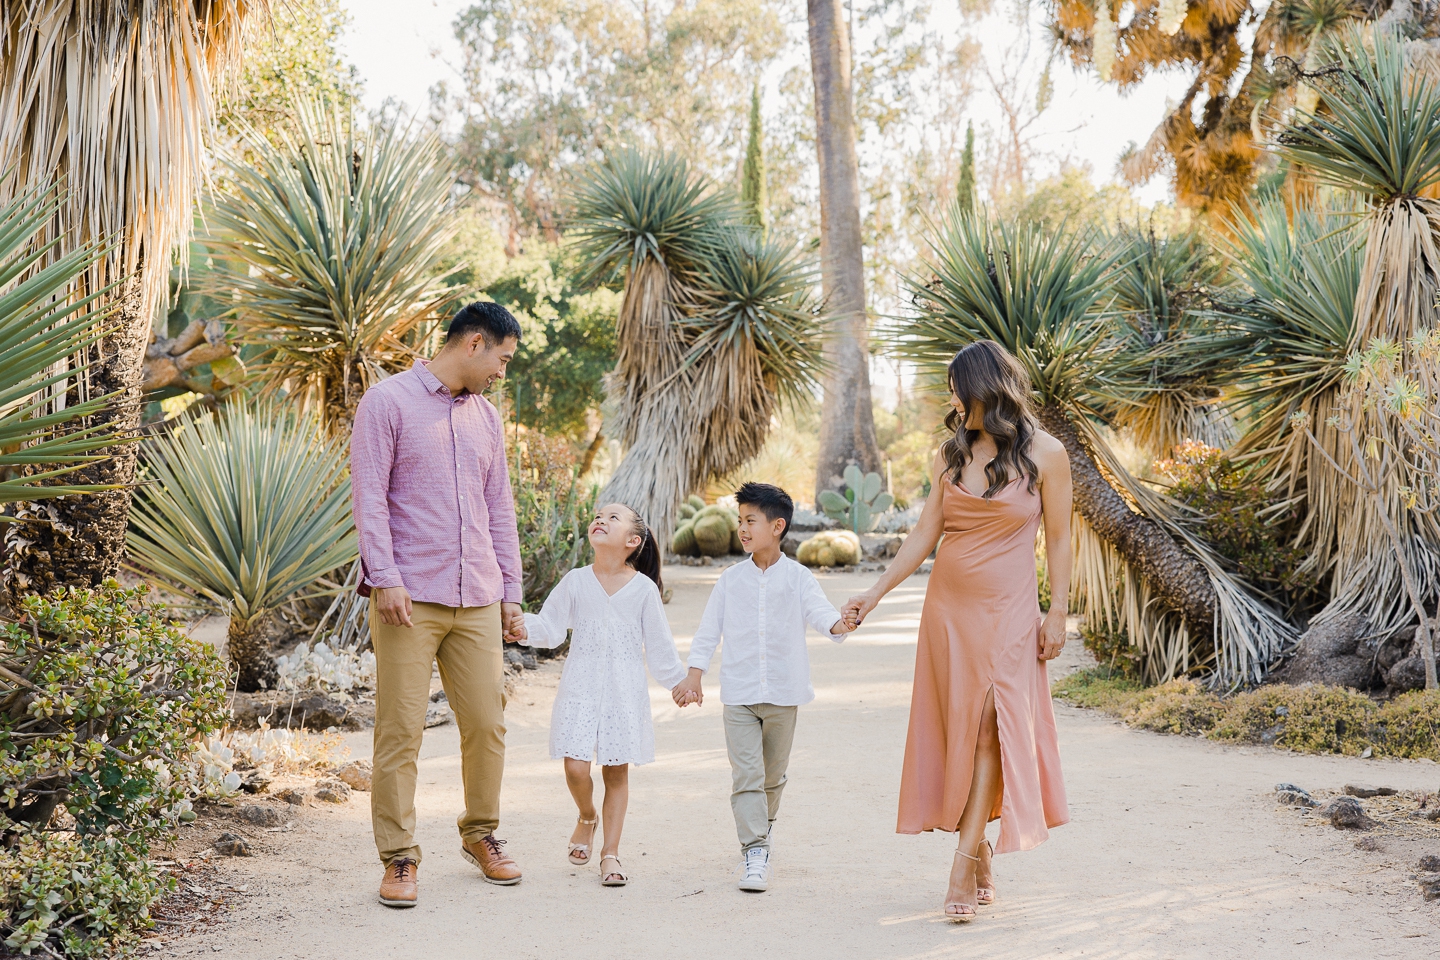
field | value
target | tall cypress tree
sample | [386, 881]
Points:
[752, 183]
[965, 189]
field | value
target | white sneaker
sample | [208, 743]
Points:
[756, 876]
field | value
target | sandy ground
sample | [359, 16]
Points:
[1175, 849]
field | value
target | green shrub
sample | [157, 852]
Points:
[102, 702]
[1311, 718]
[553, 510]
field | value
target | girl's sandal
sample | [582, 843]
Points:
[955, 910]
[580, 852]
[984, 896]
[612, 878]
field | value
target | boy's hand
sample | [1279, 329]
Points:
[843, 625]
[688, 691]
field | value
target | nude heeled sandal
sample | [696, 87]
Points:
[984, 896]
[961, 917]
[583, 848]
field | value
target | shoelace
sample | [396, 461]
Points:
[402, 869]
[493, 844]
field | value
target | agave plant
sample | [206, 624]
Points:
[333, 237]
[1046, 297]
[246, 510]
[41, 330]
[717, 325]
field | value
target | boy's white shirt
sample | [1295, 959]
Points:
[761, 616]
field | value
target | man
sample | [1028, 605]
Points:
[440, 555]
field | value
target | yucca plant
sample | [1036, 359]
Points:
[41, 330]
[1170, 343]
[717, 325]
[246, 510]
[333, 235]
[1377, 138]
[114, 101]
[1046, 296]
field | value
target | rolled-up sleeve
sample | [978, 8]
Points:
[500, 505]
[372, 453]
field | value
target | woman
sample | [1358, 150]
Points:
[982, 733]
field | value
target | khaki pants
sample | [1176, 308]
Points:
[466, 641]
[758, 737]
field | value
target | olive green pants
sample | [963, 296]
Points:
[467, 643]
[758, 737]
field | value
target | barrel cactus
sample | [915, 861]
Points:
[832, 548]
[708, 531]
[860, 506]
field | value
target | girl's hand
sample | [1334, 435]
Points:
[1052, 634]
[688, 691]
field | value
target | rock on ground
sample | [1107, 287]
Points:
[1328, 653]
[231, 845]
[260, 816]
[1345, 813]
[1364, 790]
[355, 775]
[332, 791]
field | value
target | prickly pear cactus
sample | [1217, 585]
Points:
[860, 506]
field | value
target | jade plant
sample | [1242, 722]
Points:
[860, 506]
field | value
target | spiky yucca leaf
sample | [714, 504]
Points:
[246, 510]
[1040, 294]
[333, 237]
[40, 330]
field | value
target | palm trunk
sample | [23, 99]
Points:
[254, 666]
[80, 540]
[1179, 579]
[847, 425]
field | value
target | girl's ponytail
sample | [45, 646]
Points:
[646, 558]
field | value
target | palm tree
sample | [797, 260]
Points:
[1048, 299]
[41, 449]
[847, 424]
[246, 510]
[716, 326]
[112, 99]
[332, 236]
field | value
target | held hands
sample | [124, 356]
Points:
[512, 621]
[688, 691]
[1052, 634]
[857, 608]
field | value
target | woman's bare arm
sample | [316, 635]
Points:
[917, 546]
[1055, 505]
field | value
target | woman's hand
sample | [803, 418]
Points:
[858, 606]
[1052, 634]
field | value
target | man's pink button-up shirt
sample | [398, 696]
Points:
[431, 493]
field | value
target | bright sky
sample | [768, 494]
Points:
[402, 49]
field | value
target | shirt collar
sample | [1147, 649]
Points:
[755, 567]
[431, 382]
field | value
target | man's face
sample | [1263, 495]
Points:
[483, 365]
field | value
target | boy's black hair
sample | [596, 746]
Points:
[492, 321]
[772, 501]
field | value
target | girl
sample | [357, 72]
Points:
[602, 710]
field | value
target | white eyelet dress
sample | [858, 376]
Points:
[602, 710]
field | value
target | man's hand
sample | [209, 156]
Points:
[688, 690]
[512, 621]
[393, 605]
[1052, 634]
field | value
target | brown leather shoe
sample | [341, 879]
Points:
[400, 887]
[486, 853]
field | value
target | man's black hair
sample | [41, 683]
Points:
[772, 501]
[491, 320]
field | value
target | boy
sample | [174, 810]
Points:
[760, 607]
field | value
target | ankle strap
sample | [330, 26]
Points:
[588, 822]
[962, 853]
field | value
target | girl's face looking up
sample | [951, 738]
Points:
[615, 526]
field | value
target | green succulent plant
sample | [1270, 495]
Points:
[860, 506]
[705, 531]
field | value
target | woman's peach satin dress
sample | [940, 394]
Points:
[980, 629]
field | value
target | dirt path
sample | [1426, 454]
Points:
[1175, 848]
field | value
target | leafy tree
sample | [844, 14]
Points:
[551, 86]
[965, 188]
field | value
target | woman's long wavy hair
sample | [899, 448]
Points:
[986, 373]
